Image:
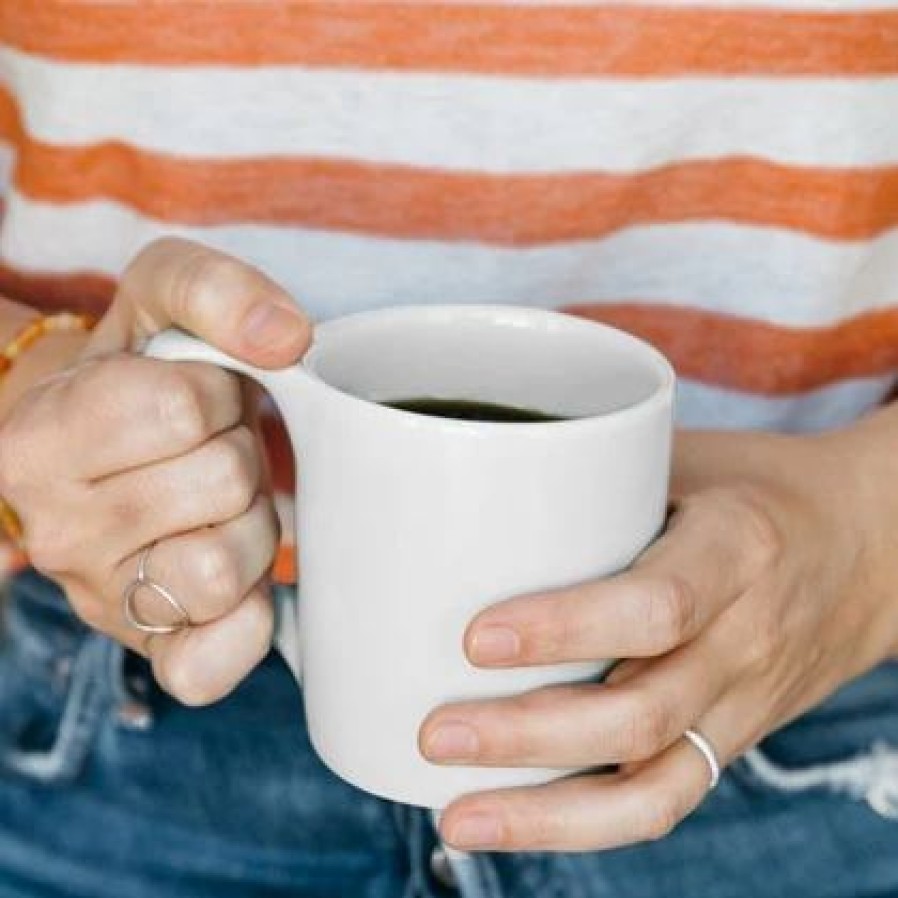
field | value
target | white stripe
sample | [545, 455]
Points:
[774, 275]
[459, 122]
[7, 167]
[834, 406]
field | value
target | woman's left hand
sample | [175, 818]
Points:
[775, 583]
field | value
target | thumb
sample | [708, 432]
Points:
[228, 303]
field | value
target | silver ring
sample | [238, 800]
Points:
[142, 581]
[707, 752]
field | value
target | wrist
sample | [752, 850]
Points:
[867, 464]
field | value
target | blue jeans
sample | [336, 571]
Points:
[109, 789]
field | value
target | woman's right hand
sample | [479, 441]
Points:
[119, 452]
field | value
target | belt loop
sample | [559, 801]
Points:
[88, 697]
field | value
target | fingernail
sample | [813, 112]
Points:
[271, 326]
[452, 742]
[495, 645]
[475, 831]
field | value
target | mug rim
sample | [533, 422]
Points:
[661, 396]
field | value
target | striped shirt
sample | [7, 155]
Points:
[718, 177]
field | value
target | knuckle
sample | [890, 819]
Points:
[671, 612]
[647, 728]
[761, 536]
[217, 569]
[235, 471]
[198, 281]
[181, 409]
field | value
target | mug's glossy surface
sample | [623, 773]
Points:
[408, 525]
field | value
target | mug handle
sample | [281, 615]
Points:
[176, 345]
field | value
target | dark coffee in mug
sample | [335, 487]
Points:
[471, 410]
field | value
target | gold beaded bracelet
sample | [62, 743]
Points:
[20, 343]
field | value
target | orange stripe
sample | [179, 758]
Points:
[12, 129]
[285, 566]
[710, 347]
[402, 202]
[756, 357]
[550, 39]
[82, 292]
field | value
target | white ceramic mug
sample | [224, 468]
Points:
[408, 524]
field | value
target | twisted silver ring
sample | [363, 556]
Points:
[142, 581]
[708, 753]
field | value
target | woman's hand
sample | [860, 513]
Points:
[775, 583]
[118, 452]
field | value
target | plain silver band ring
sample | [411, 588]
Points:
[707, 751]
[142, 581]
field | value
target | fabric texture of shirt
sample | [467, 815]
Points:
[719, 178]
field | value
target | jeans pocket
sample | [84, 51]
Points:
[54, 683]
[848, 746]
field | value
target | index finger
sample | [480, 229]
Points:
[717, 545]
[222, 300]
[111, 415]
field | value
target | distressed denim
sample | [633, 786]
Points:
[109, 789]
